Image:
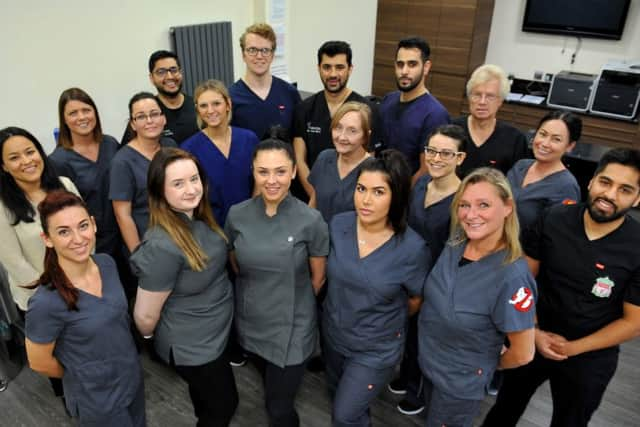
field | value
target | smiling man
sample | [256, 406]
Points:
[411, 113]
[312, 125]
[587, 261]
[261, 100]
[179, 110]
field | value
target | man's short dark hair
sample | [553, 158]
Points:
[161, 54]
[622, 156]
[333, 48]
[415, 43]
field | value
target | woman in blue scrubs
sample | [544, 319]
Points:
[376, 270]
[77, 323]
[429, 216]
[224, 151]
[479, 292]
[545, 181]
[334, 172]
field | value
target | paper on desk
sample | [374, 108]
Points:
[531, 99]
[514, 96]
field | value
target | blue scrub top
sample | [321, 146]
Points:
[333, 194]
[466, 314]
[533, 199]
[259, 115]
[102, 371]
[432, 223]
[365, 311]
[230, 179]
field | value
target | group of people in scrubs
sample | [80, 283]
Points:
[208, 239]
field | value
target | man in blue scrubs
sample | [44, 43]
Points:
[261, 100]
[411, 113]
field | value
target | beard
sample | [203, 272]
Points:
[600, 217]
[336, 89]
[410, 87]
[170, 94]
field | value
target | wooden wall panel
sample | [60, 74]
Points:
[424, 19]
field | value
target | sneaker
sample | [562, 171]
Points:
[408, 408]
[397, 386]
[3, 385]
[238, 360]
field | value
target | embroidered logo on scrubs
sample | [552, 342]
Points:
[603, 287]
[569, 202]
[313, 129]
[522, 300]
[290, 239]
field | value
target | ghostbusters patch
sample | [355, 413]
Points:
[603, 287]
[522, 300]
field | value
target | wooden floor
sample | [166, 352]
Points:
[28, 400]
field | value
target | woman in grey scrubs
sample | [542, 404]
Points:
[184, 295]
[278, 250]
[545, 181]
[77, 323]
[334, 173]
[376, 271]
[479, 292]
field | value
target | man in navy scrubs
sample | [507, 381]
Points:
[587, 261]
[411, 113]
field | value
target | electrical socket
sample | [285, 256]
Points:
[537, 75]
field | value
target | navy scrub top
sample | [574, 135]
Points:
[533, 199]
[432, 223]
[466, 314]
[128, 182]
[365, 311]
[92, 181]
[102, 371]
[333, 195]
[196, 317]
[275, 302]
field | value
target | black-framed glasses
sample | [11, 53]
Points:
[253, 51]
[144, 117]
[161, 72]
[444, 154]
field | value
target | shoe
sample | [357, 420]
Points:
[3, 385]
[238, 360]
[316, 364]
[408, 408]
[397, 386]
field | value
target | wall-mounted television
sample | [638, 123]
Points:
[582, 18]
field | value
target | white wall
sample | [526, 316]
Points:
[100, 46]
[522, 53]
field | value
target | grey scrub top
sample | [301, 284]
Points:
[333, 195]
[365, 312]
[466, 314]
[128, 182]
[275, 303]
[196, 317]
[531, 200]
[102, 371]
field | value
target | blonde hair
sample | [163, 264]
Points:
[511, 229]
[261, 29]
[484, 74]
[363, 110]
[215, 86]
[161, 214]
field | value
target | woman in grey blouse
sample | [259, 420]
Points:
[184, 295]
[278, 250]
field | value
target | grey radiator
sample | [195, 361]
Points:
[205, 52]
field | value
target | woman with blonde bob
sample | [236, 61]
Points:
[335, 171]
[224, 151]
[479, 292]
[184, 296]
[494, 143]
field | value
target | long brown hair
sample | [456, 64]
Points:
[75, 94]
[162, 215]
[54, 276]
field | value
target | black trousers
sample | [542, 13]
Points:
[577, 386]
[213, 392]
[280, 388]
[410, 373]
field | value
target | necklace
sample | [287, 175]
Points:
[362, 242]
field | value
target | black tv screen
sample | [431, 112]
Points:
[582, 18]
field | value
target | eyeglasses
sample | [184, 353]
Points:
[253, 51]
[161, 72]
[144, 117]
[489, 97]
[444, 154]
